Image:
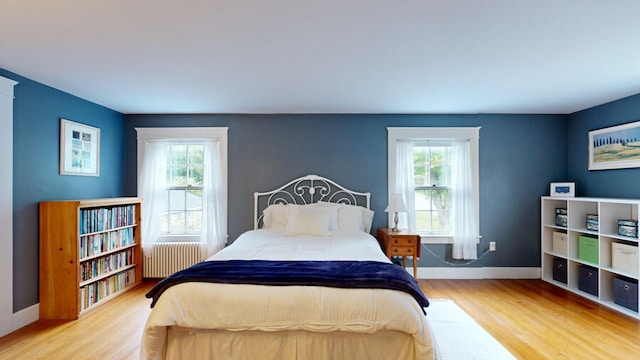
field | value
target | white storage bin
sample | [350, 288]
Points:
[624, 257]
[560, 243]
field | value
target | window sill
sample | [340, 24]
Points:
[436, 239]
[179, 238]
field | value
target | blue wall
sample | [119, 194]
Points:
[519, 156]
[619, 183]
[36, 140]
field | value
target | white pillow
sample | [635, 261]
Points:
[276, 216]
[332, 209]
[341, 216]
[306, 220]
[367, 218]
[350, 217]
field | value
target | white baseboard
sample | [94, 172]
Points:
[478, 273]
[26, 316]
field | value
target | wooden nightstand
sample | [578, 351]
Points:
[400, 243]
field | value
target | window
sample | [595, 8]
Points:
[432, 185]
[185, 173]
[182, 178]
[436, 170]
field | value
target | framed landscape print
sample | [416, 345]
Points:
[615, 147]
[79, 149]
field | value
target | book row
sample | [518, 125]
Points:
[100, 219]
[94, 292]
[96, 267]
[97, 244]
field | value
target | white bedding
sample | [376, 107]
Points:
[287, 309]
[274, 245]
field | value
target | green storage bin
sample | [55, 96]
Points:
[588, 249]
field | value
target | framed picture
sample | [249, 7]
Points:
[567, 189]
[615, 147]
[79, 149]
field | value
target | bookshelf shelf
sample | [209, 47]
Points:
[90, 252]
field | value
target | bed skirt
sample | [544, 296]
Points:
[185, 343]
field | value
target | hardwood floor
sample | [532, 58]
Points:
[536, 320]
[532, 319]
[111, 331]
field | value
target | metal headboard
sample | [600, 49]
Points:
[307, 190]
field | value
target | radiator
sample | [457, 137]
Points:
[169, 257]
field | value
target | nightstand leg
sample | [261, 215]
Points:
[415, 267]
[404, 261]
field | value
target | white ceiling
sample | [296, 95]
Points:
[328, 56]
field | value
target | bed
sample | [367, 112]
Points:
[300, 285]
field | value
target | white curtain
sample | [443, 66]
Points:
[404, 183]
[153, 190]
[465, 229]
[213, 237]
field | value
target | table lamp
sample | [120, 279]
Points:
[396, 205]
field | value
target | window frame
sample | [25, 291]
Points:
[416, 134]
[188, 134]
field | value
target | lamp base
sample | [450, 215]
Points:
[395, 220]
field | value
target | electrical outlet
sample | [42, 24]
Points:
[492, 246]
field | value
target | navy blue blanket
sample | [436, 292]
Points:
[340, 274]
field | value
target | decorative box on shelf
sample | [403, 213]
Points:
[627, 227]
[588, 249]
[592, 222]
[625, 292]
[559, 244]
[560, 270]
[588, 279]
[624, 257]
[561, 217]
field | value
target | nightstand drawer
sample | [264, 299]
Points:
[402, 241]
[402, 250]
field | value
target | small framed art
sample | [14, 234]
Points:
[79, 149]
[567, 189]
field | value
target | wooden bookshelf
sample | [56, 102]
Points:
[90, 252]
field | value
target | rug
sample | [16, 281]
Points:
[459, 337]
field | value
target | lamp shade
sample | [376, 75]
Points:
[396, 204]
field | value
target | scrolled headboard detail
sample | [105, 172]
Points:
[304, 190]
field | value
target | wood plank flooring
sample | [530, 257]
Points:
[536, 320]
[532, 319]
[111, 331]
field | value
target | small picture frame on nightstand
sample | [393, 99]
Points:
[566, 189]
